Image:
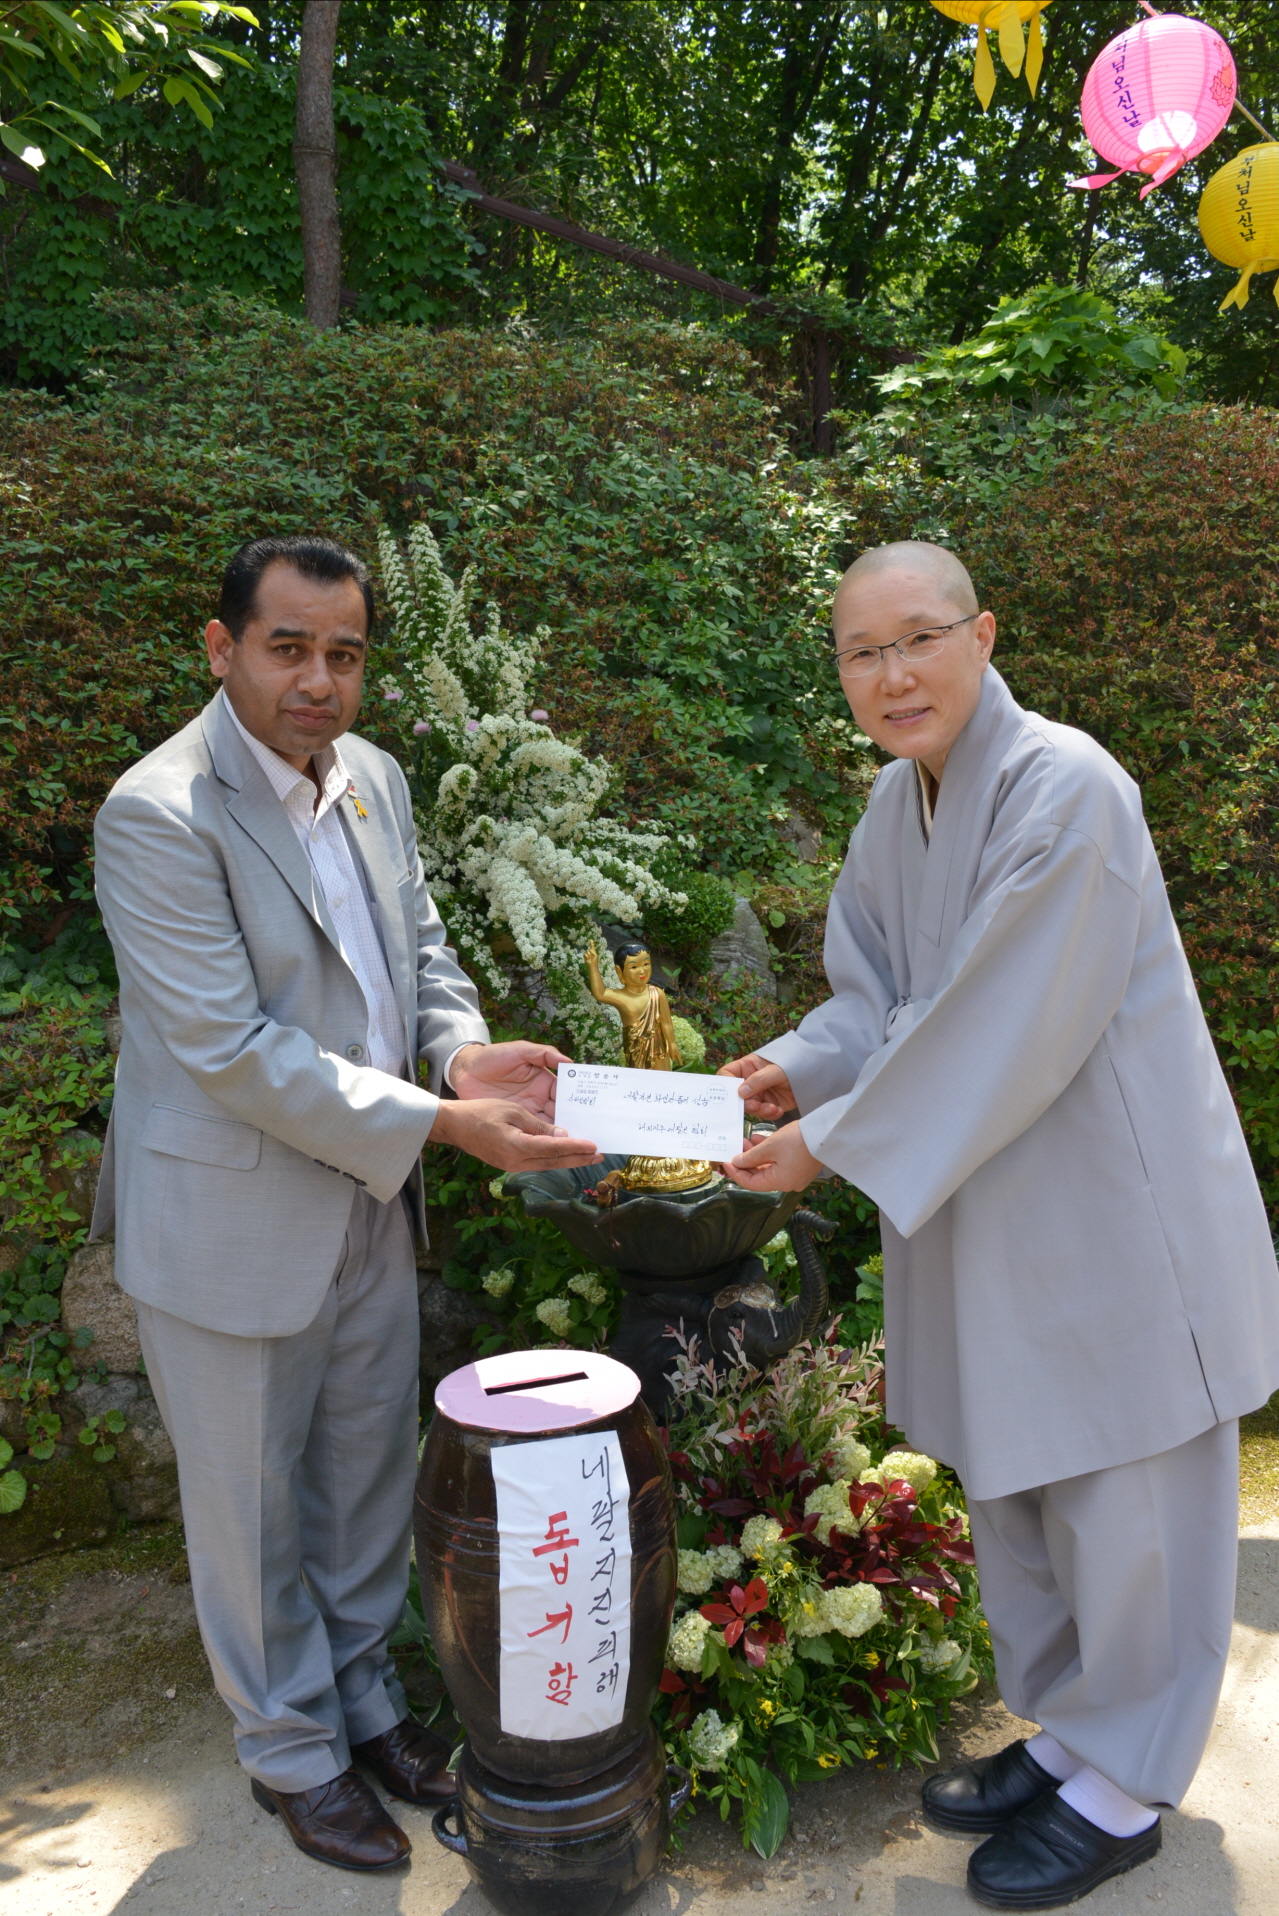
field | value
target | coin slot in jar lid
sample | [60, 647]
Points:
[526, 1393]
[536, 1383]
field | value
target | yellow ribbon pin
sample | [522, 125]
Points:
[360, 811]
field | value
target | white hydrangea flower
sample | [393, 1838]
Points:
[687, 1640]
[851, 1457]
[695, 1574]
[497, 1283]
[710, 1741]
[497, 1185]
[689, 1042]
[725, 1560]
[938, 1653]
[554, 1313]
[808, 1617]
[590, 1288]
[830, 1502]
[759, 1534]
[852, 1608]
[904, 1466]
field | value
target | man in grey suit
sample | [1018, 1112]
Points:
[1080, 1292]
[283, 972]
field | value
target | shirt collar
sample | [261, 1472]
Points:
[285, 779]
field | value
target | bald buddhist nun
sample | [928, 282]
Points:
[1080, 1289]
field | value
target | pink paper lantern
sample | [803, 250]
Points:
[1157, 95]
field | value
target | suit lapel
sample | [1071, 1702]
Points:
[255, 807]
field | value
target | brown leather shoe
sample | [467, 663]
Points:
[409, 1763]
[341, 1822]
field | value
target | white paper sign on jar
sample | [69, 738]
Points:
[563, 1519]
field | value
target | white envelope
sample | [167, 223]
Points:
[651, 1114]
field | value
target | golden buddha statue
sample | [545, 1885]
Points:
[648, 1044]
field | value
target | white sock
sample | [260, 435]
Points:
[1050, 1756]
[1104, 1805]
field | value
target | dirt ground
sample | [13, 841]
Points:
[120, 1788]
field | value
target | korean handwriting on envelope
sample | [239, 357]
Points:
[652, 1114]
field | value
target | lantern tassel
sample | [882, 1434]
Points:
[1165, 170]
[1012, 44]
[1034, 54]
[1092, 181]
[984, 71]
[1238, 294]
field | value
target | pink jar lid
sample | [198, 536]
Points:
[524, 1391]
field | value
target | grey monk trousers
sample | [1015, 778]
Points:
[1110, 1598]
[296, 1460]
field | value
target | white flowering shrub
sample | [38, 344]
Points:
[512, 841]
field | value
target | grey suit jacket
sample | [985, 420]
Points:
[245, 1112]
[1077, 1265]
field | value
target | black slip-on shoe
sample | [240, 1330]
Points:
[985, 1795]
[1051, 1855]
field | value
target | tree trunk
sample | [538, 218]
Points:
[315, 162]
[823, 427]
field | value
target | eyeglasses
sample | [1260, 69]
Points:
[914, 649]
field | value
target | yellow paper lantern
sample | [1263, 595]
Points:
[1239, 217]
[1007, 17]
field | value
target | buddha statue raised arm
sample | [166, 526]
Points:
[648, 1036]
[648, 1044]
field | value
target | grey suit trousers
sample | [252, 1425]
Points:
[1110, 1598]
[296, 1460]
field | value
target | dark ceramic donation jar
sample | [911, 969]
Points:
[588, 1849]
[546, 1552]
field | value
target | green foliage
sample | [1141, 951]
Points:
[1051, 340]
[94, 1434]
[126, 45]
[519, 1265]
[1135, 587]
[55, 1070]
[626, 492]
[223, 215]
[688, 931]
[828, 1606]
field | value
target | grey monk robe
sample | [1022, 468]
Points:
[1014, 1065]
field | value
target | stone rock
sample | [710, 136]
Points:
[143, 1475]
[801, 837]
[449, 1322]
[90, 1295]
[14, 1249]
[71, 1499]
[445, 1240]
[13, 1422]
[78, 1181]
[743, 949]
[68, 1504]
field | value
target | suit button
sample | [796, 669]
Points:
[355, 1052]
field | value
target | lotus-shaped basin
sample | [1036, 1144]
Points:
[647, 1234]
